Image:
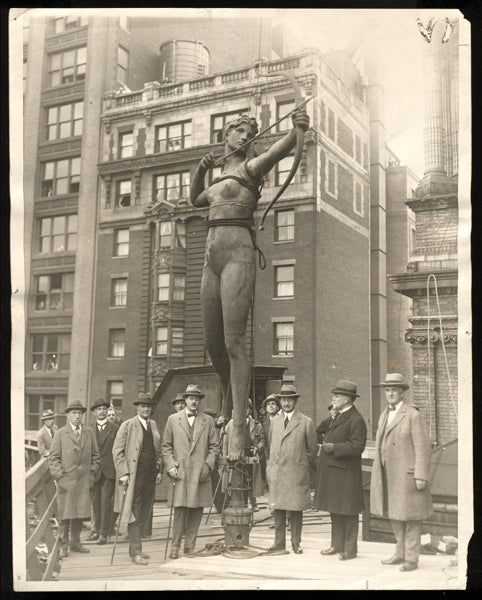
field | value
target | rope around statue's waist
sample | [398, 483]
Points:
[246, 224]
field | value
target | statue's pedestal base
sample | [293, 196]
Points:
[236, 525]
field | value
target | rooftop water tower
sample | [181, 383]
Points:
[182, 60]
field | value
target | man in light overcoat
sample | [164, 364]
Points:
[339, 479]
[137, 460]
[400, 473]
[292, 452]
[73, 463]
[46, 433]
[189, 450]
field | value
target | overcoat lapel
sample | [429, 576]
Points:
[199, 425]
[396, 420]
[184, 423]
[71, 434]
[138, 430]
[293, 423]
[341, 418]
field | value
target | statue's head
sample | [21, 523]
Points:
[244, 121]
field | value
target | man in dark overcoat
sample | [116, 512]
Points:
[326, 423]
[46, 433]
[339, 481]
[399, 482]
[73, 463]
[189, 450]
[137, 460]
[104, 486]
[292, 451]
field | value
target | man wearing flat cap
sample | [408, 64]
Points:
[46, 433]
[292, 452]
[399, 482]
[178, 403]
[189, 450]
[138, 465]
[326, 423]
[104, 486]
[339, 480]
[73, 463]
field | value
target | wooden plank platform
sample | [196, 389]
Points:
[309, 570]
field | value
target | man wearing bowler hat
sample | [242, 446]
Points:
[73, 462]
[292, 452]
[339, 480]
[189, 450]
[46, 433]
[399, 482]
[178, 403]
[104, 486]
[137, 460]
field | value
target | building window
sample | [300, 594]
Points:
[60, 177]
[283, 167]
[358, 200]
[163, 287]
[283, 338]
[285, 225]
[51, 352]
[67, 67]
[58, 234]
[175, 136]
[284, 281]
[126, 144]
[122, 64]
[358, 149]
[165, 234]
[365, 156]
[412, 240]
[331, 124]
[54, 292]
[282, 109]
[64, 121]
[219, 121]
[117, 343]
[179, 288]
[331, 178]
[37, 403]
[161, 341]
[166, 239]
[214, 173]
[172, 187]
[177, 341]
[123, 193]
[121, 242]
[115, 393]
[119, 292]
[71, 22]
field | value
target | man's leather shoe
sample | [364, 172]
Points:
[174, 554]
[409, 566]
[93, 535]
[297, 550]
[63, 553]
[276, 547]
[346, 556]
[144, 555]
[393, 560]
[189, 552]
[139, 560]
[79, 548]
[102, 540]
[329, 551]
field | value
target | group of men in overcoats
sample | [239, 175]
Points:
[91, 465]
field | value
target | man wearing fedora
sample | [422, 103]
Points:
[73, 462]
[189, 450]
[138, 465]
[339, 480]
[46, 433]
[178, 403]
[399, 482]
[292, 452]
[104, 486]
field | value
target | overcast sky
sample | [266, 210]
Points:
[398, 45]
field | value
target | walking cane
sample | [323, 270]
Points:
[214, 496]
[170, 518]
[118, 522]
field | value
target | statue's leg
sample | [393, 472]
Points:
[237, 283]
[212, 318]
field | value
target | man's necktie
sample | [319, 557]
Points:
[148, 425]
[286, 422]
[390, 407]
[77, 432]
[194, 414]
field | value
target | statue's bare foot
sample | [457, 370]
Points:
[235, 455]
